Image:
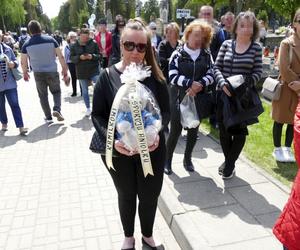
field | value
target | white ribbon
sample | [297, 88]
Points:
[131, 75]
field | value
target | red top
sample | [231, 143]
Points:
[287, 226]
[108, 43]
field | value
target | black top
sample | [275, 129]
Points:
[106, 89]
[165, 51]
[219, 37]
[85, 69]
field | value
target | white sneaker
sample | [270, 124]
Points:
[288, 154]
[278, 155]
[88, 112]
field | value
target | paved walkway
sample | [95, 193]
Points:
[55, 193]
[205, 212]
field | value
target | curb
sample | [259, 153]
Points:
[182, 226]
[187, 235]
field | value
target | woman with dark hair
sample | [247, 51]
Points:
[283, 110]
[287, 226]
[116, 34]
[190, 71]
[128, 175]
[239, 56]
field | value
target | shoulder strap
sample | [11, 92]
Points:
[290, 52]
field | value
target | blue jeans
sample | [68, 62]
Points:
[13, 101]
[85, 89]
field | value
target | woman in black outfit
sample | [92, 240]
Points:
[115, 40]
[165, 50]
[190, 71]
[128, 176]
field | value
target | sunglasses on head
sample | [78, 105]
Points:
[140, 47]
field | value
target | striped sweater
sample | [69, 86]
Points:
[248, 63]
[185, 67]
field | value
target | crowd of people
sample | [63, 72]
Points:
[209, 58]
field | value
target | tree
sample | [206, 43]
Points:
[11, 11]
[150, 8]
[286, 8]
[63, 18]
[99, 9]
[78, 12]
[91, 6]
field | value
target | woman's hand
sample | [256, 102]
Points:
[295, 86]
[155, 144]
[225, 89]
[120, 147]
[11, 64]
[195, 88]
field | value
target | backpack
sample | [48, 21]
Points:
[22, 40]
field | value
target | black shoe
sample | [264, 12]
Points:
[168, 168]
[188, 165]
[74, 94]
[228, 176]
[150, 247]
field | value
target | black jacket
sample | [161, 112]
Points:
[106, 89]
[165, 51]
[240, 110]
[87, 68]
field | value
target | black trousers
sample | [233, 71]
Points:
[175, 131]
[277, 132]
[130, 183]
[232, 146]
[72, 70]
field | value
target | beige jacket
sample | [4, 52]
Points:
[283, 110]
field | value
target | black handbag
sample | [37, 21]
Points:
[205, 104]
[98, 144]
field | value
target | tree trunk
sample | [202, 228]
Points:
[3, 23]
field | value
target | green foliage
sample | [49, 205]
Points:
[286, 8]
[11, 12]
[63, 20]
[78, 12]
[263, 15]
[150, 8]
[99, 9]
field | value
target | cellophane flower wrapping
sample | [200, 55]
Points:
[150, 111]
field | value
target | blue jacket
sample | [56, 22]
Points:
[10, 82]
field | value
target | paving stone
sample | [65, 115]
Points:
[220, 225]
[259, 199]
[201, 194]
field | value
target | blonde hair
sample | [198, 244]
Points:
[139, 25]
[174, 26]
[206, 31]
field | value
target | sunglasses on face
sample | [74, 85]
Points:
[140, 47]
[297, 21]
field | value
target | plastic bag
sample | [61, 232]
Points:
[150, 113]
[188, 112]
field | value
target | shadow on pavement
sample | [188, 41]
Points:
[74, 99]
[85, 124]
[197, 192]
[43, 132]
